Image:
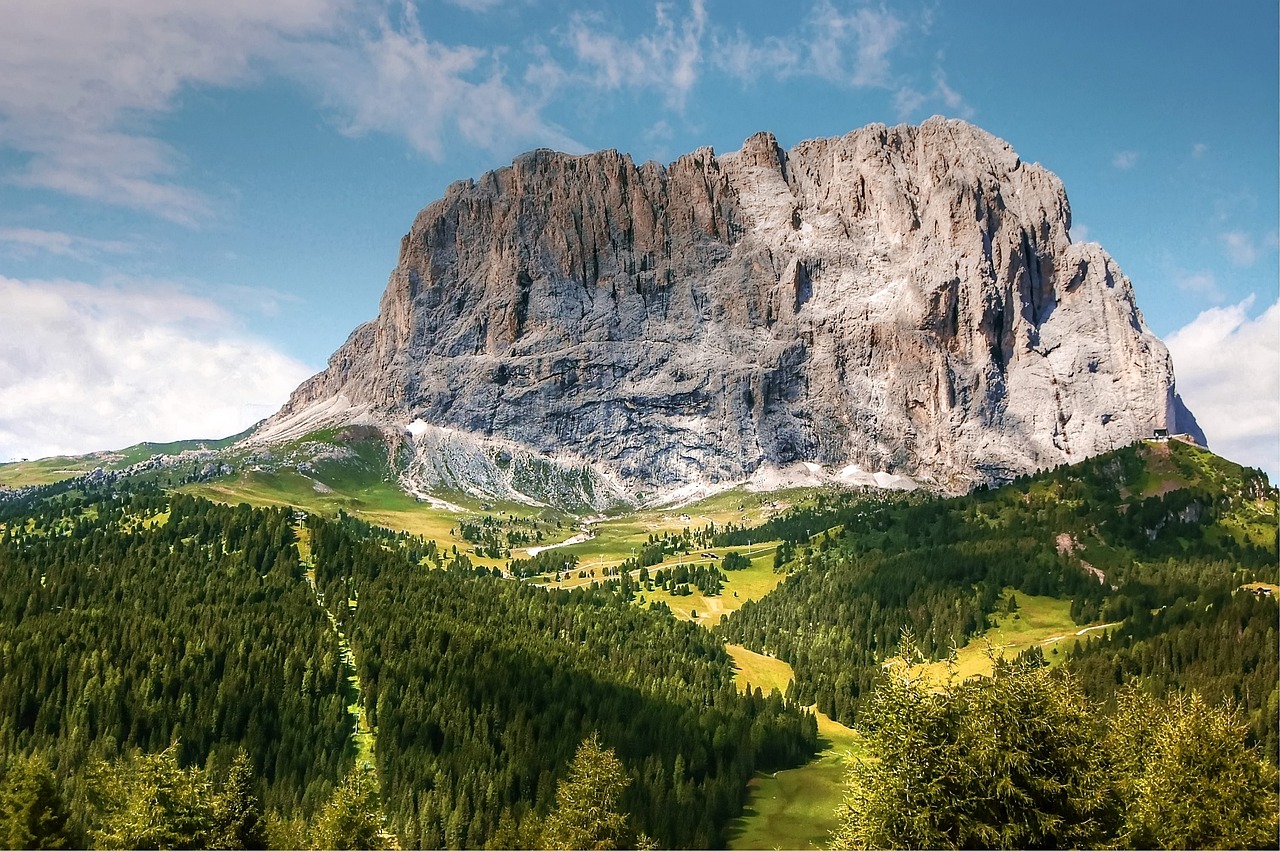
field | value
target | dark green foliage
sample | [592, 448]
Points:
[938, 567]
[1219, 644]
[545, 562]
[237, 811]
[1023, 760]
[199, 629]
[482, 689]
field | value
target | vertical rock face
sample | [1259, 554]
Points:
[907, 300]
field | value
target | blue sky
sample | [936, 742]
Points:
[200, 200]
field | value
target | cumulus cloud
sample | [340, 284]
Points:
[1228, 369]
[86, 367]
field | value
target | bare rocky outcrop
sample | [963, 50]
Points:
[901, 300]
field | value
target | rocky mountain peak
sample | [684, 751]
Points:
[904, 301]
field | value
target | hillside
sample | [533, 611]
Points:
[1139, 539]
[481, 656]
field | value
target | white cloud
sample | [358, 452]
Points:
[1201, 284]
[1199, 149]
[1240, 248]
[1228, 369]
[85, 367]
[79, 82]
[1124, 160]
[868, 34]
[394, 79]
[667, 58]
[850, 49]
[908, 100]
[82, 86]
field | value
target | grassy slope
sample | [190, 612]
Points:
[1038, 621]
[45, 471]
[794, 808]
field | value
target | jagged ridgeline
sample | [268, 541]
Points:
[1171, 545]
[900, 301]
[132, 619]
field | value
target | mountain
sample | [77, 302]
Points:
[896, 306]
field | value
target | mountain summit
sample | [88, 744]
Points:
[897, 304]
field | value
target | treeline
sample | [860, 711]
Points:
[481, 689]
[1085, 532]
[1219, 644]
[137, 621]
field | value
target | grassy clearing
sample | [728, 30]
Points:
[46, 471]
[794, 808]
[1038, 621]
[756, 670]
[370, 499]
[740, 586]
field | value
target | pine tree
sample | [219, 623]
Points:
[148, 801]
[586, 815]
[1190, 778]
[32, 811]
[352, 817]
[237, 811]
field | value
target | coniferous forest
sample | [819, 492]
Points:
[176, 672]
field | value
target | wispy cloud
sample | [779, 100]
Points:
[668, 58]
[86, 367]
[1228, 369]
[79, 83]
[1240, 248]
[83, 86]
[852, 49]
[1201, 284]
[908, 100]
[1124, 160]
[34, 240]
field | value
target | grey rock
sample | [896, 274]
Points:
[901, 300]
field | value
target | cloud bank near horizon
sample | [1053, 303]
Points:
[85, 368]
[1228, 370]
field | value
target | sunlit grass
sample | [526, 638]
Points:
[1043, 622]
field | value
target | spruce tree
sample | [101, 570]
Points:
[586, 815]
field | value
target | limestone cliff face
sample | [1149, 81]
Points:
[903, 300]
